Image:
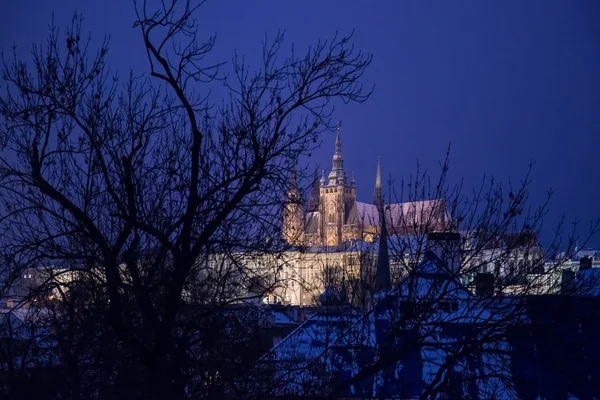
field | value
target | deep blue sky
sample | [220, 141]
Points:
[504, 82]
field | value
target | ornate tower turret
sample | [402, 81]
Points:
[293, 214]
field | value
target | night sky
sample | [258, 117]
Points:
[503, 82]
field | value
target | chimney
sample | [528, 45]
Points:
[585, 263]
[446, 246]
[484, 284]
[567, 281]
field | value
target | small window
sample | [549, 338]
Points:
[335, 190]
[29, 276]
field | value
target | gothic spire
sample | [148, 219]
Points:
[293, 192]
[382, 277]
[315, 193]
[338, 142]
[378, 194]
[337, 174]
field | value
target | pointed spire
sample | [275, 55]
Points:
[293, 192]
[338, 142]
[382, 277]
[337, 174]
[378, 176]
[383, 281]
[293, 181]
[378, 193]
[315, 193]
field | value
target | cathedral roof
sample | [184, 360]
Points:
[398, 214]
[312, 222]
[363, 213]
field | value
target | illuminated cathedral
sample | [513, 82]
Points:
[333, 216]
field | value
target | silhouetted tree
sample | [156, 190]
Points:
[137, 183]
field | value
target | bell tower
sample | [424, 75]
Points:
[337, 197]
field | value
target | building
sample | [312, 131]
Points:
[333, 215]
[430, 337]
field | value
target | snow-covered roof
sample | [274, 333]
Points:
[344, 341]
[424, 212]
[578, 255]
[282, 317]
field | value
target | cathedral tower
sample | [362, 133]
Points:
[293, 213]
[337, 197]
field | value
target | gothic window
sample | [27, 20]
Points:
[332, 208]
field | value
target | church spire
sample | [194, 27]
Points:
[293, 192]
[382, 276]
[338, 142]
[337, 174]
[378, 194]
[315, 193]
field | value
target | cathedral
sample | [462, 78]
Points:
[333, 216]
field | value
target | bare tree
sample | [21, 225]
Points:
[138, 182]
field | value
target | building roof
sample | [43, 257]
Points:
[344, 342]
[578, 255]
[312, 222]
[425, 212]
[519, 360]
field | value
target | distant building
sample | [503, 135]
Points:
[429, 326]
[333, 215]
